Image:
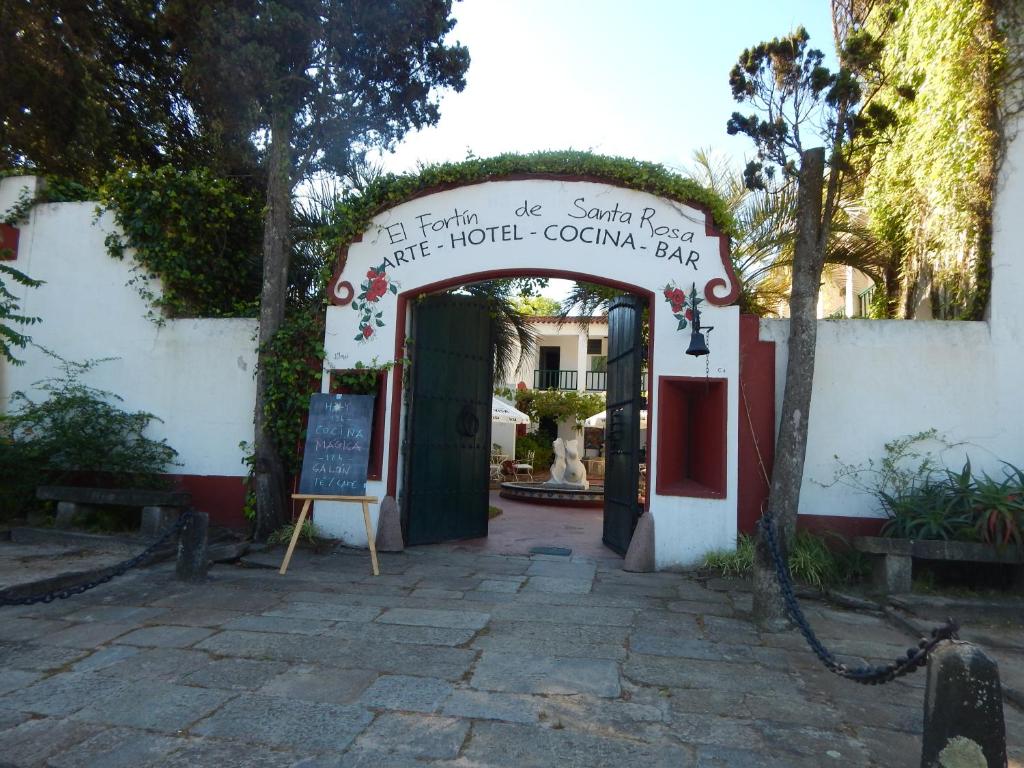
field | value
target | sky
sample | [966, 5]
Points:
[646, 79]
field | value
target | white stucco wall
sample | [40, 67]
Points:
[196, 375]
[879, 380]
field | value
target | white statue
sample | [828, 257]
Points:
[568, 471]
[558, 466]
[575, 472]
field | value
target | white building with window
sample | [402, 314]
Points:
[571, 354]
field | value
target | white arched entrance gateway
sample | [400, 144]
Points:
[578, 229]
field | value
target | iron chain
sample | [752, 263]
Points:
[866, 675]
[117, 570]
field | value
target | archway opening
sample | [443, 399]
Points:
[456, 461]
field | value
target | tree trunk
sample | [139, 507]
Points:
[791, 447]
[269, 475]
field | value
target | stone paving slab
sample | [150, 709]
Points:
[325, 610]
[234, 674]
[151, 663]
[31, 743]
[62, 694]
[406, 693]
[315, 683]
[165, 637]
[428, 667]
[428, 618]
[299, 725]
[401, 633]
[546, 674]
[37, 658]
[488, 705]
[504, 744]
[199, 751]
[409, 736]
[116, 748]
[154, 705]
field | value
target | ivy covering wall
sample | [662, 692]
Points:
[928, 191]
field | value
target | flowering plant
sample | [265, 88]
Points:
[376, 285]
[682, 305]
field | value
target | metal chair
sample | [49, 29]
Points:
[497, 459]
[524, 467]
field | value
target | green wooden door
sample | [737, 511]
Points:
[622, 425]
[449, 435]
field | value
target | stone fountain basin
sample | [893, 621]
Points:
[551, 495]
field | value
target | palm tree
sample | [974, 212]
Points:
[764, 238]
[514, 337]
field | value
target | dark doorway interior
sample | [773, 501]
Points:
[550, 360]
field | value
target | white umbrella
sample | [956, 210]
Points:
[598, 420]
[503, 412]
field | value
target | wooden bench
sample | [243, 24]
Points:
[160, 509]
[892, 564]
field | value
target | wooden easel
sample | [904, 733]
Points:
[309, 497]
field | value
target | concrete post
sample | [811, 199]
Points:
[892, 574]
[963, 710]
[66, 511]
[193, 559]
[156, 520]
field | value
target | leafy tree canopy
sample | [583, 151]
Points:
[343, 74]
[91, 87]
[537, 306]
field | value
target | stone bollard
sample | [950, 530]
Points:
[640, 555]
[193, 560]
[389, 527]
[963, 710]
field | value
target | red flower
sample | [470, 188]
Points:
[676, 307]
[367, 331]
[678, 295]
[373, 274]
[689, 314]
[668, 293]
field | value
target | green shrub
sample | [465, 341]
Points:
[733, 562]
[283, 535]
[922, 499]
[541, 447]
[77, 430]
[812, 560]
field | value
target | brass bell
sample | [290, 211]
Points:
[698, 346]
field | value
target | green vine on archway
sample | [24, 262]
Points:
[355, 212]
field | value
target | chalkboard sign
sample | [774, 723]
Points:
[337, 445]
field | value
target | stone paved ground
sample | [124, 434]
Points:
[448, 659]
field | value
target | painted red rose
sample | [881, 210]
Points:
[367, 331]
[668, 293]
[676, 307]
[678, 295]
[689, 314]
[377, 289]
[374, 274]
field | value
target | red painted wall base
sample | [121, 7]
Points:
[847, 527]
[220, 496]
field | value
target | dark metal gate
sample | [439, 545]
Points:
[449, 435]
[622, 428]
